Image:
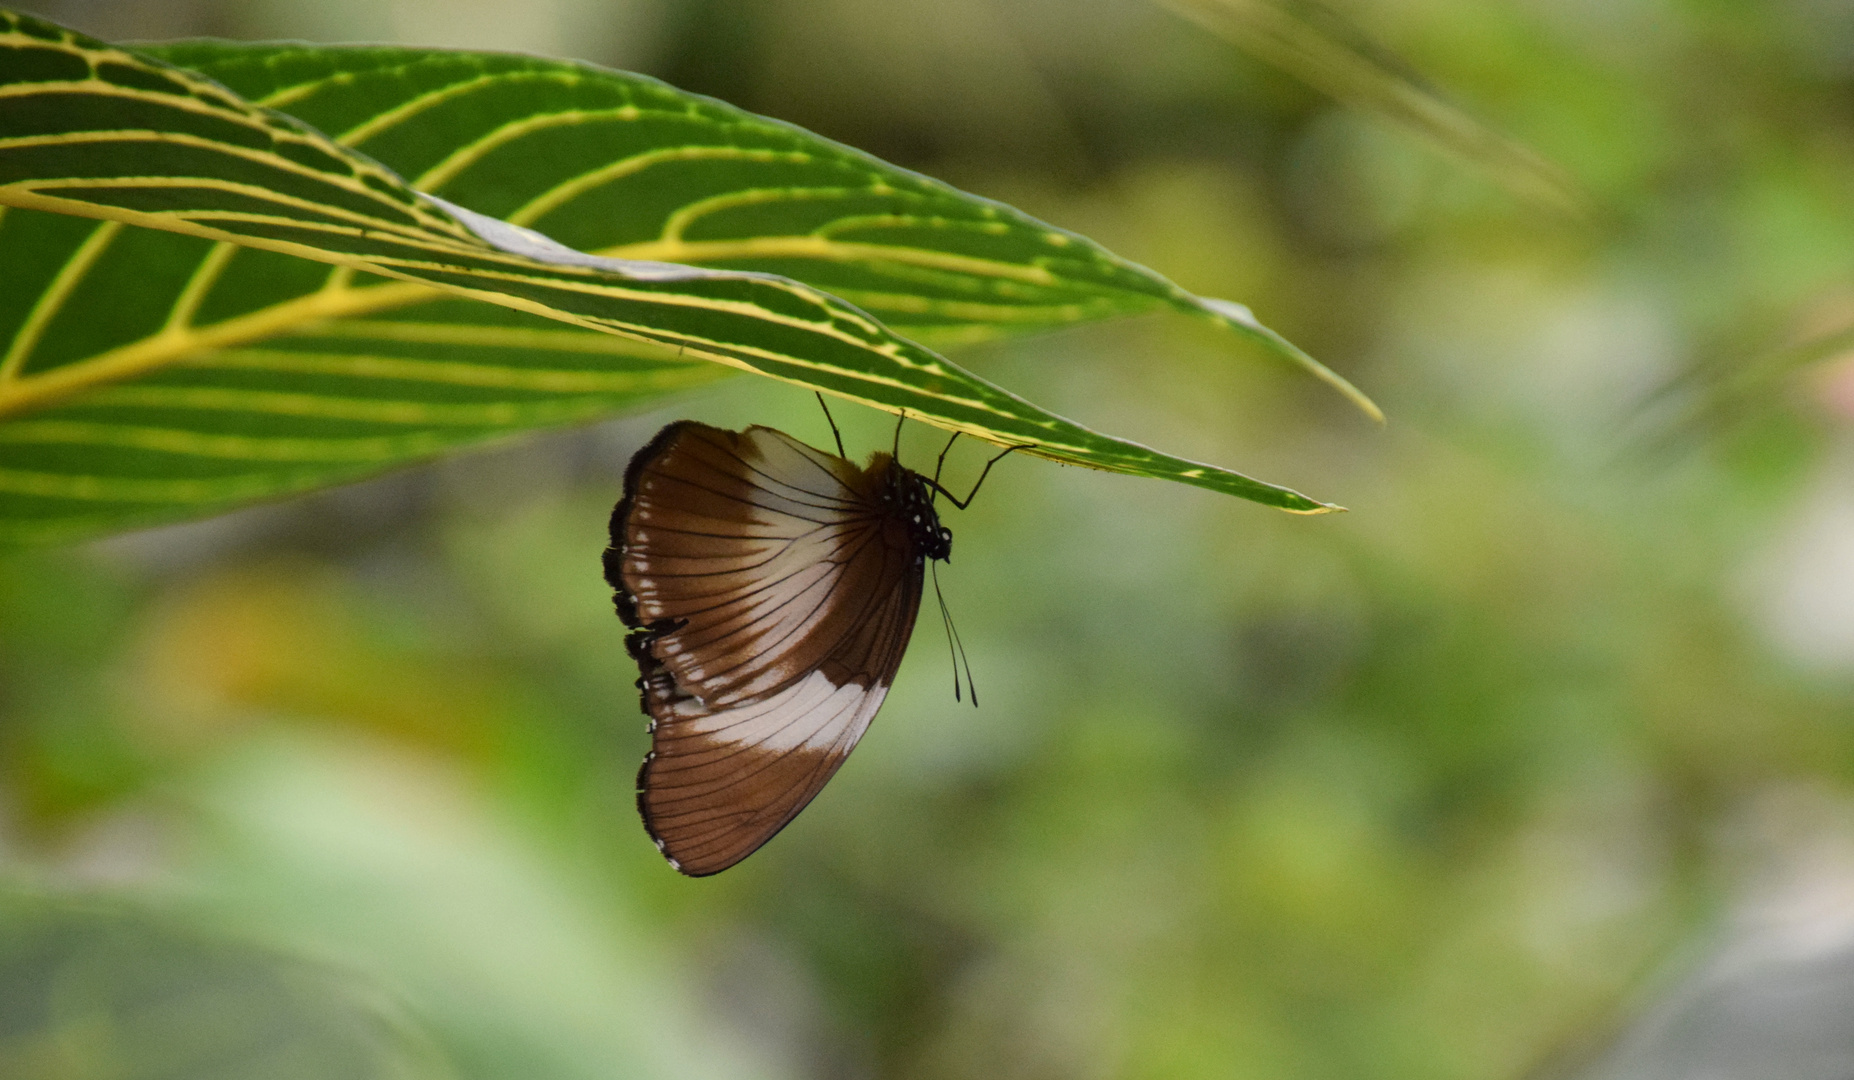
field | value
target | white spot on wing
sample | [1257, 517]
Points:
[812, 714]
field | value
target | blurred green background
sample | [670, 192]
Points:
[1542, 752]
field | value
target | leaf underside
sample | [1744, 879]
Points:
[207, 301]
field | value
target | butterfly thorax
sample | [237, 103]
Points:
[907, 508]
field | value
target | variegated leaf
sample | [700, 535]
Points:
[254, 307]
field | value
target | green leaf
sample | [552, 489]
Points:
[251, 383]
[188, 353]
[624, 166]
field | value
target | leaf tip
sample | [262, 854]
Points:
[1230, 313]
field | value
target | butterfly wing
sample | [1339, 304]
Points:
[774, 601]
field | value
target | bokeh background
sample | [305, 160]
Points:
[1537, 763]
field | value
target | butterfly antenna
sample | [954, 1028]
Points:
[965, 658]
[955, 647]
[900, 418]
[941, 464]
[834, 433]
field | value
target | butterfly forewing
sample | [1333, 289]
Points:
[774, 592]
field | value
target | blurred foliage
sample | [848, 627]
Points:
[91, 991]
[1446, 787]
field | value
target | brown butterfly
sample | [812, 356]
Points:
[771, 588]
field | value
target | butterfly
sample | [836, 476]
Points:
[771, 588]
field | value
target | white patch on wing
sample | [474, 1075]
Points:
[811, 714]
